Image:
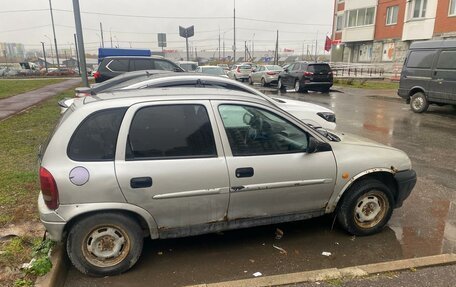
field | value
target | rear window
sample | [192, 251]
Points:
[420, 59]
[141, 64]
[447, 60]
[319, 68]
[246, 67]
[95, 138]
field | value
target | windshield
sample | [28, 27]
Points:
[319, 68]
[273, 68]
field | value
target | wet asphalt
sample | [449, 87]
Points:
[425, 225]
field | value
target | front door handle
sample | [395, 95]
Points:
[244, 172]
[141, 182]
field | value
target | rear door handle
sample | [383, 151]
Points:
[141, 182]
[244, 172]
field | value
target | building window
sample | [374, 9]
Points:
[418, 9]
[391, 15]
[360, 17]
[452, 8]
[340, 22]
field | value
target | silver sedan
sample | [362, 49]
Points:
[265, 74]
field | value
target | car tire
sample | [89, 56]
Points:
[280, 85]
[366, 207]
[263, 82]
[297, 86]
[250, 81]
[419, 102]
[89, 238]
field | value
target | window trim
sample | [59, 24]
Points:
[115, 71]
[348, 12]
[391, 15]
[449, 9]
[342, 26]
[412, 5]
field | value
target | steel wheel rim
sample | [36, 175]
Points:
[106, 246]
[279, 84]
[371, 209]
[418, 103]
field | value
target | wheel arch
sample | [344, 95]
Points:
[417, 89]
[386, 176]
[144, 219]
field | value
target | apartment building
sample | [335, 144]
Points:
[380, 31]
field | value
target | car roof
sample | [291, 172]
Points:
[175, 93]
[433, 44]
[136, 57]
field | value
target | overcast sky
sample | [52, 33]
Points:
[134, 23]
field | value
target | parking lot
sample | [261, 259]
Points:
[425, 225]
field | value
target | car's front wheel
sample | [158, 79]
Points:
[419, 103]
[366, 207]
[105, 244]
[280, 85]
[297, 86]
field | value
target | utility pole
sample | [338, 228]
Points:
[77, 20]
[316, 46]
[110, 36]
[253, 46]
[44, 55]
[219, 45]
[245, 51]
[223, 47]
[234, 39]
[102, 38]
[276, 54]
[77, 54]
[55, 38]
[6, 58]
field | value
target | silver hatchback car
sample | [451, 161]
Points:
[175, 162]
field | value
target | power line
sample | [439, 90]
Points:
[280, 22]
[19, 11]
[23, 29]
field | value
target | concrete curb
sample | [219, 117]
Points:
[60, 265]
[336, 273]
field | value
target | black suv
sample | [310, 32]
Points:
[304, 76]
[114, 66]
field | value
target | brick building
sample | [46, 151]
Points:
[380, 31]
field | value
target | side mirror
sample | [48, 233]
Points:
[317, 146]
[286, 70]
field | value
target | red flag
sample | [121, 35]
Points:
[327, 44]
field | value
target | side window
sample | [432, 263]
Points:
[96, 137]
[420, 59]
[290, 67]
[296, 67]
[141, 64]
[118, 65]
[447, 60]
[254, 131]
[164, 65]
[170, 132]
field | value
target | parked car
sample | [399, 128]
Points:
[265, 74]
[117, 82]
[60, 72]
[240, 72]
[114, 66]
[312, 114]
[429, 75]
[304, 76]
[176, 162]
[188, 66]
[211, 70]
[224, 67]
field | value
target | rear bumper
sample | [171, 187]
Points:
[403, 93]
[53, 222]
[406, 181]
[317, 84]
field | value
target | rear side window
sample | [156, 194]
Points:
[171, 132]
[447, 60]
[96, 137]
[420, 59]
[164, 65]
[141, 64]
[118, 65]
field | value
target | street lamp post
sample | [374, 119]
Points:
[44, 55]
[50, 42]
[55, 37]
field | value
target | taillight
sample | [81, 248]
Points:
[307, 74]
[49, 189]
[238, 70]
[271, 73]
[330, 73]
[96, 75]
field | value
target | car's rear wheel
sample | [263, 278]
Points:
[297, 86]
[250, 81]
[280, 85]
[419, 102]
[366, 207]
[105, 244]
[263, 82]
